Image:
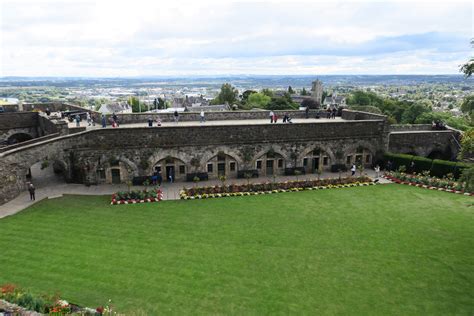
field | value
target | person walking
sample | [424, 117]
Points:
[104, 121]
[150, 121]
[88, 116]
[377, 171]
[115, 118]
[31, 189]
[176, 116]
[78, 120]
[271, 116]
[334, 112]
[202, 118]
[353, 169]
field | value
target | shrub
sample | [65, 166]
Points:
[422, 164]
[398, 160]
[442, 167]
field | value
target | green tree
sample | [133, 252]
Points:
[304, 92]
[467, 144]
[258, 100]
[161, 104]
[267, 92]
[468, 68]
[135, 104]
[246, 94]
[413, 112]
[228, 94]
[467, 106]
[290, 90]
[310, 103]
[281, 103]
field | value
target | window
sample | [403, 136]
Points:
[280, 163]
[210, 167]
[101, 174]
[232, 166]
[182, 169]
[348, 160]
[305, 162]
[325, 161]
[367, 159]
[158, 169]
[259, 164]
[316, 152]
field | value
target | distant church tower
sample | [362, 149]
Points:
[317, 89]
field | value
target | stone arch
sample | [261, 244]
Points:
[439, 153]
[362, 151]
[18, 138]
[163, 154]
[313, 162]
[44, 171]
[171, 168]
[270, 165]
[112, 170]
[223, 162]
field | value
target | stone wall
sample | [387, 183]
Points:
[210, 116]
[424, 143]
[32, 123]
[410, 127]
[359, 115]
[18, 120]
[138, 150]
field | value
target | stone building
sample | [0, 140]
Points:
[317, 90]
[127, 153]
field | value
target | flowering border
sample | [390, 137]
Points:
[420, 185]
[184, 196]
[159, 197]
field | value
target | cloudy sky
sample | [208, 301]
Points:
[136, 38]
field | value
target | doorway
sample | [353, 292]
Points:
[315, 165]
[115, 176]
[221, 169]
[269, 169]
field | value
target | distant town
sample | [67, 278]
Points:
[440, 94]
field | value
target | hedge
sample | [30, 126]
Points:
[438, 168]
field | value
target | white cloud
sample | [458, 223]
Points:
[110, 38]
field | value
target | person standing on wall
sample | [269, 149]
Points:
[176, 116]
[307, 112]
[104, 121]
[272, 116]
[150, 121]
[202, 118]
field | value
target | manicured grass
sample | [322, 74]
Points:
[369, 250]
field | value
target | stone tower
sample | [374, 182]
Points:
[317, 91]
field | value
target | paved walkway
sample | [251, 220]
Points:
[51, 186]
[223, 122]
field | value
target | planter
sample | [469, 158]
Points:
[270, 187]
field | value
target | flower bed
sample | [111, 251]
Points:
[423, 180]
[271, 187]
[134, 197]
[21, 301]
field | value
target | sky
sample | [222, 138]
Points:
[105, 38]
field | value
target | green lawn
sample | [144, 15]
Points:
[377, 250]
